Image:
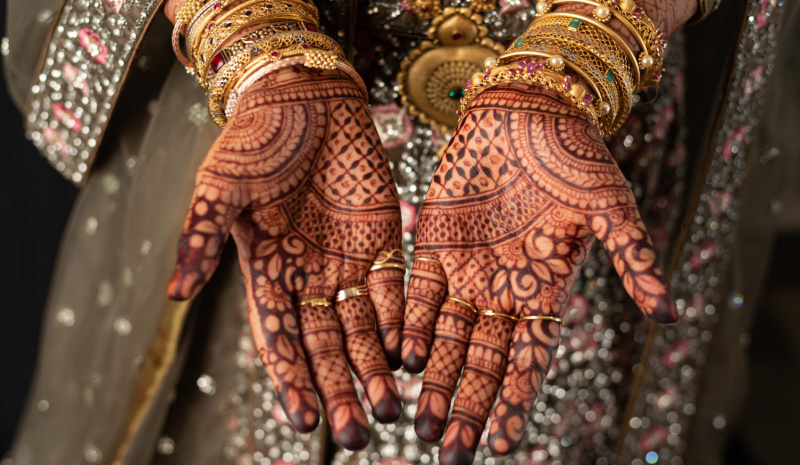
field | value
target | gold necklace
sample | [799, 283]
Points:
[432, 77]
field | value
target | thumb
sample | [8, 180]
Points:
[215, 205]
[625, 237]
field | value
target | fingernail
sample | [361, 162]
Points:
[428, 427]
[387, 410]
[352, 436]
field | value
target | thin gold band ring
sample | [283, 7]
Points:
[502, 315]
[316, 302]
[522, 318]
[471, 307]
[544, 318]
[426, 259]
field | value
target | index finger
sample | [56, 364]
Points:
[631, 249]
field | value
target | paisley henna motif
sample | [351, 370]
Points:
[524, 187]
[299, 178]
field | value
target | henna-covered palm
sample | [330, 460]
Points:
[524, 187]
[300, 179]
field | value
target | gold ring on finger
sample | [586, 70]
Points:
[471, 307]
[351, 292]
[316, 302]
[426, 259]
[502, 315]
[387, 261]
[543, 317]
[390, 255]
[381, 266]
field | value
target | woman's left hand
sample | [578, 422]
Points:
[524, 187]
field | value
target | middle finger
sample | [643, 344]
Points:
[486, 363]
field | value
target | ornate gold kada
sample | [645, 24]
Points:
[433, 76]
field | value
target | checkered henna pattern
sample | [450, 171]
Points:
[300, 179]
[524, 187]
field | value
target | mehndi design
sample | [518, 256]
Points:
[301, 181]
[524, 187]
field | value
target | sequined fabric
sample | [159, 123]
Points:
[216, 406]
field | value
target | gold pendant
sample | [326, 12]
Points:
[432, 78]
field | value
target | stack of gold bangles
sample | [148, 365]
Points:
[229, 47]
[575, 47]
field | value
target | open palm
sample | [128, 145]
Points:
[524, 187]
[300, 179]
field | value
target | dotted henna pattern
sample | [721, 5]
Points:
[300, 179]
[524, 187]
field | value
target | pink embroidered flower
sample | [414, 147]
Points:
[66, 117]
[653, 438]
[116, 5]
[703, 254]
[754, 81]
[409, 216]
[719, 202]
[676, 355]
[54, 138]
[76, 78]
[393, 124]
[666, 398]
[733, 143]
[577, 310]
[92, 43]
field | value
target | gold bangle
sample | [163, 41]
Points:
[591, 40]
[554, 82]
[200, 23]
[247, 79]
[245, 43]
[608, 95]
[213, 38]
[471, 307]
[213, 44]
[613, 93]
[315, 302]
[272, 49]
[426, 259]
[350, 292]
[542, 317]
[183, 17]
[502, 315]
[605, 29]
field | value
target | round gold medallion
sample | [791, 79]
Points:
[433, 76]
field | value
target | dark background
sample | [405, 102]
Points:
[35, 202]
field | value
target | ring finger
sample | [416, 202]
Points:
[450, 341]
[367, 357]
[322, 340]
[486, 363]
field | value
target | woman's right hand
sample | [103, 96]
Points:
[299, 177]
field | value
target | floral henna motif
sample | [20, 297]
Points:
[524, 187]
[299, 178]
